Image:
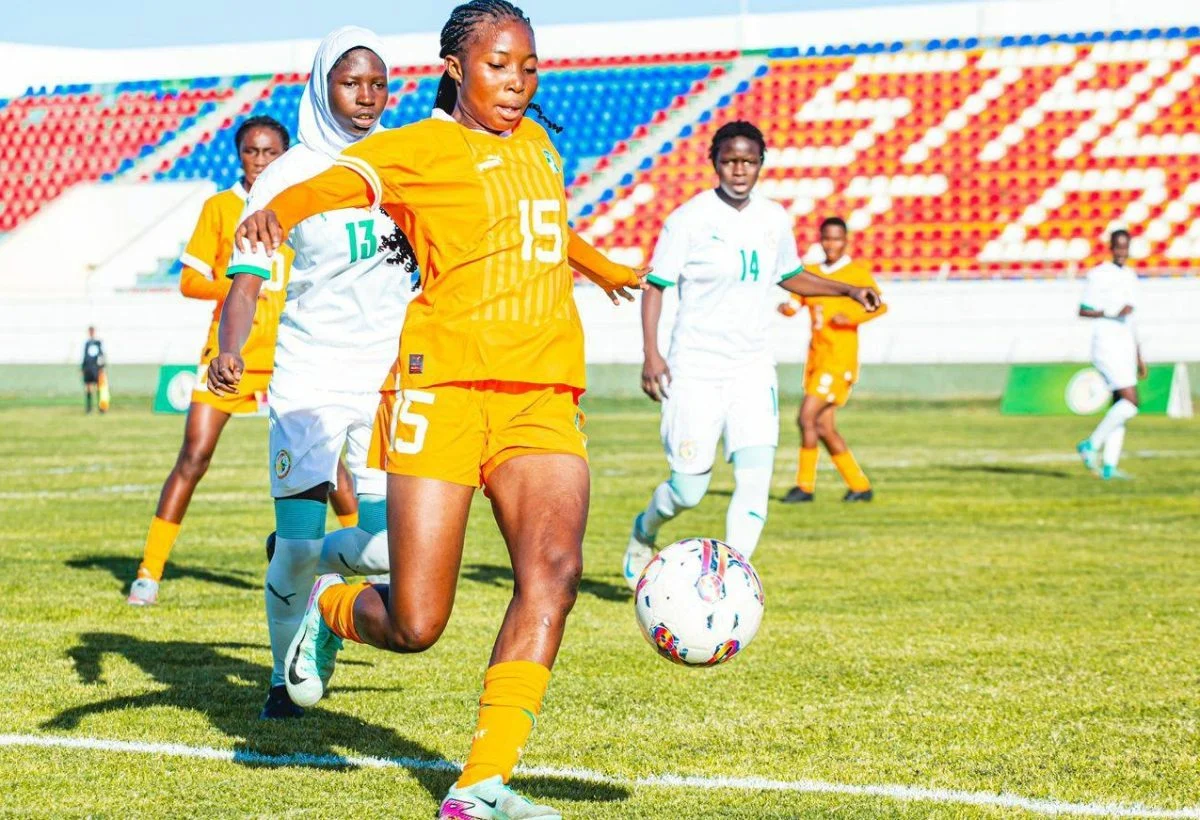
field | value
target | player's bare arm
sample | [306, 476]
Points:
[809, 284]
[656, 375]
[237, 317]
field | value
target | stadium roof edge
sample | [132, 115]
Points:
[23, 65]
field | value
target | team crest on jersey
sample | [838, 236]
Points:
[416, 364]
[283, 464]
[687, 450]
[551, 161]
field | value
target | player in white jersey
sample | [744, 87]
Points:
[352, 279]
[1109, 300]
[726, 249]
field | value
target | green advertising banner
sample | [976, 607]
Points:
[175, 384]
[1079, 390]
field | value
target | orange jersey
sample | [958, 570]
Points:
[205, 258]
[487, 218]
[835, 349]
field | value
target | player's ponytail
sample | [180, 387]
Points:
[447, 93]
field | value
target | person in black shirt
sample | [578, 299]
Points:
[92, 366]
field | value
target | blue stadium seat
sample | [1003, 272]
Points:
[1192, 32]
[934, 45]
[896, 46]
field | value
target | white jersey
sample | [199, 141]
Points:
[347, 294]
[727, 264]
[1109, 289]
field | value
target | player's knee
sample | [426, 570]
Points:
[193, 462]
[556, 585]
[416, 634]
[688, 490]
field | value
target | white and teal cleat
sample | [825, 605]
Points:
[310, 659]
[491, 799]
[143, 592]
[637, 554]
[1111, 473]
[1087, 453]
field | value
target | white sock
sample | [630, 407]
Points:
[680, 492]
[1113, 445]
[289, 581]
[1116, 416]
[354, 551]
[747, 514]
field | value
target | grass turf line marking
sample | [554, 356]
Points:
[670, 781]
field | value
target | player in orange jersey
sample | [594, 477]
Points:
[484, 391]
[259, 141]
[832, 367]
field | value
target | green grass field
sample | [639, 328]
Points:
[997, 621]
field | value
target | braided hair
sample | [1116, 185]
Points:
[732, 130]
[457, 34]
[261, 122]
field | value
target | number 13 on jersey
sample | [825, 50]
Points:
[539, 223]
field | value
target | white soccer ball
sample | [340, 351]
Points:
[699, 602]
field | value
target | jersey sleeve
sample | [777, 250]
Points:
[200, 253]
[670, 252]
[787, 262]
[387, 162]
[855, 313]
[270, 183]
[1092, 298]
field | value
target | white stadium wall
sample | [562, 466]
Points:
[927, 322]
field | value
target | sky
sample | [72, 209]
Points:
[139, 23]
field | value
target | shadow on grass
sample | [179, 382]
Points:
[1011, 469]
[124, 568]
[201, 678]
[500, 576]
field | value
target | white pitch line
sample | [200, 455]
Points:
[671, 781]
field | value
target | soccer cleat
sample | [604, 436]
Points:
[864, 495]
[1110, 473]
[1087, 453]
[637, 554]
[309, 662]
[143, 592]
[491, 799]
[279, 706]
[797, 496]
[270, 547]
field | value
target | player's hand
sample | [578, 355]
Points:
[1143, 371]
[260, 228]
[623, 292]
[788, 308]
[841, 321]
[1125, 311]
[224, 373]
[656, 377]
[867, 297]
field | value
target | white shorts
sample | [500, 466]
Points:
[1117, 363]
[307, 433]
[698, 412]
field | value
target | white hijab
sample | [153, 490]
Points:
[318, 129]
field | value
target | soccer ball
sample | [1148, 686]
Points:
[699, 602]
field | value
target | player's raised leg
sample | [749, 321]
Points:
[1108, 439]
[201, 433]
[858, 486]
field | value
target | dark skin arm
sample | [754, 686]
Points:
[237, 318]
[656, 376]
[809, 284]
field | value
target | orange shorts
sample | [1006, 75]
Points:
[461, 432]
[249, 398]
[832, 387]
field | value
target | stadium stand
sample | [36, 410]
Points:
[951, 158]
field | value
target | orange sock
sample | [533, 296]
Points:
[349, 519]
[508, 710]
[852, 474]
[159, 541]
[806, 476]
[337, 608]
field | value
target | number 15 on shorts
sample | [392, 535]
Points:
[415, 424]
